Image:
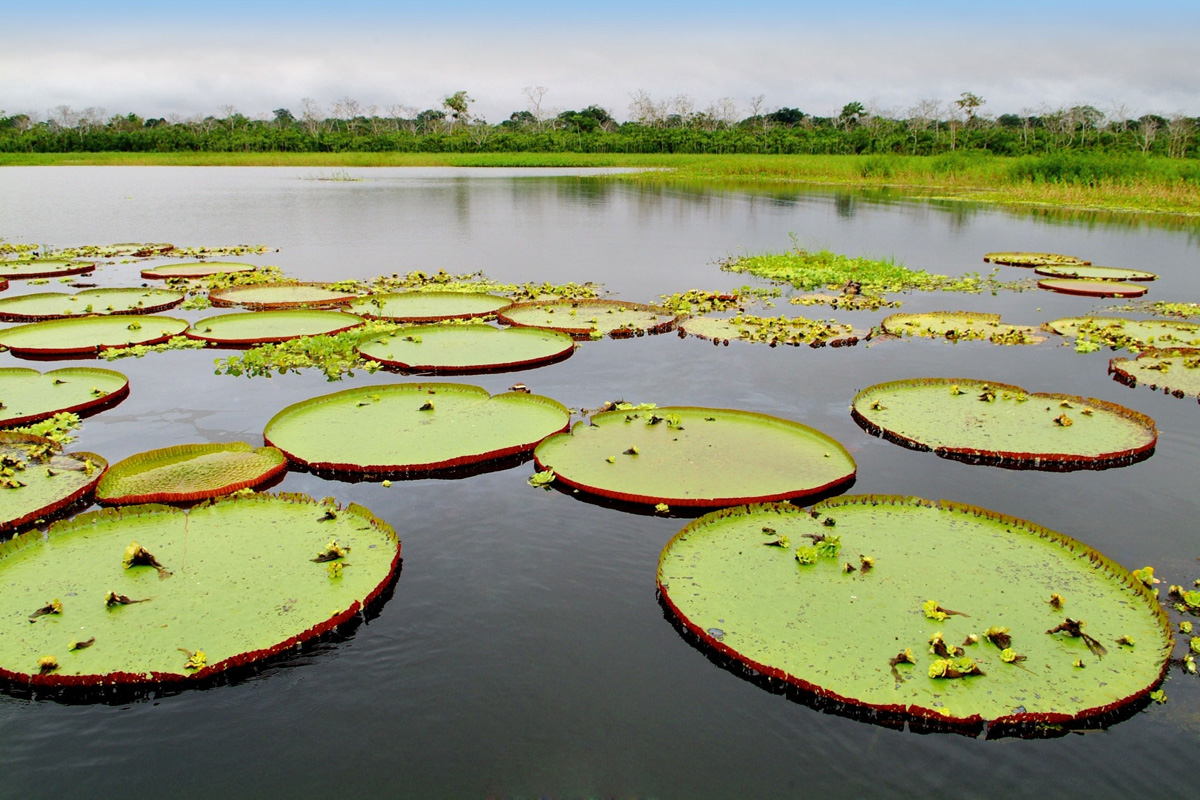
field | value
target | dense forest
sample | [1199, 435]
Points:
[675, 126]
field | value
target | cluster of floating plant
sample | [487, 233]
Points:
[959, 326]
[774, 331]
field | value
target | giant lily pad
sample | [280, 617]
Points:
[862, 626]
[960, 325]
[1033, 259]
[1175, 370]
[88, 335]
[189, 472]
[771, 330]
[428, 306]
[467, 348]
[1134, 334]
[27, 395]
[696, 457]
[260, 327]
[43, 268]
[585, 319]
[201, 269]
[412, 427]
[280, 295]
[996, 423]
[236, 582]
[37, 480]
[1094, 273]
[1092, 288]
[57, 305]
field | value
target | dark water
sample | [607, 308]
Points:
[523, 652]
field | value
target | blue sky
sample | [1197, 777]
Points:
[189, 58]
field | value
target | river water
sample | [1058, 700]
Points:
[523, 652]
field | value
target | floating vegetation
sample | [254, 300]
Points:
[1166, 309]
[959, 326]
[158, 250]
[1094, 273]
[57, 305]
[695, 457]
[280, 295]
[418, 307]
[216, 600]
[188, 473]
[1092, 288]
[591, 319]
[412, 427]
[37, 479]
[200, 269]
[43, 268]
[88, 335]
[336, 355]
[1034, 259]
[1174, 370]
[27, 395]
[467, 348]
[1131, 334]
[1002, 425]
[836, 633]
[260, 327]
[846, 302]
[695, 301]
[774, 331]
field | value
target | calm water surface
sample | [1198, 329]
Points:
[523, 652]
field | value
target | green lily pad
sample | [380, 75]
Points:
[58, 305]
[43, 268]
[1092, 288]
[189, 472]
[280, 295]
[771, 330]
[238, 580]
[27, 395]
[260, 327]
[412, 427]
[586, 319]
[695, 457]
[1033, 259]
[1175, 370]
[201, 269]
[959, 325]
[751, 584]
[1094, 273]
[1133, 334]
[36, 479]
[428, 306]
[467, 348]
[996, 423]
[88, 335]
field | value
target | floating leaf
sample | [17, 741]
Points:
[43, 268]
[428, 306]
[467, 348]
[836, 633]
[712, 457]
[591, 318]
[29, 395]
[57, 305]
[189, 472]
[771, 330]
[1033, 259]
[1175, 370]
[1094, 273]
[38, 480]
[1133, 334]
[262, 327]
[959, 325]
[244, 586]
[412, 427]
[1014, 429]
[200, 269]
[1092, 288]
[280, 295]
[88, 335]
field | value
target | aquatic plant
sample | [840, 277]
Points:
[1131, 334]
[200, 269]
[466, 348]
[773, 331]
[189, 472]
[1014, 259]
[270, 296]
[1093, 273]
[1176, 370]
[43, 268]
[959, 326]
[1092, 288]
[37, 479]
[427, 306]
[57, 305]
[29, 396]
[88, 335]
[261, 327]
[590, 319]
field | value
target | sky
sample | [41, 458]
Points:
[195, 59]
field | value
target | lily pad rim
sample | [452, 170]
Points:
[9, 316]
[89, 349]
[161, 271]
[91, 406]
[505, 366]
[586, 332]
[81, 269]
[1045, 270]
[168, 498]
[218, 296]
[63, 502]
[192, 333]
[1091, 288]
[507, 302]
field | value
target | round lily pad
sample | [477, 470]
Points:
[695, 457]
[36, 479]
[1134, 334]
[867, 598]
[200, 269]
[586, 319]
[154, 594]
[771, 330]
[258, 327]
[43, 268]
[996, 423]
[428, 306]
[57, 305]
[280, 295]
[88, 335]
[467, 348]
[1092, 288]
[1094, 273]
[27, 395]
[1033, 259]
[959, 325]
[189, 472]
[412, 427]
[1175, 370]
